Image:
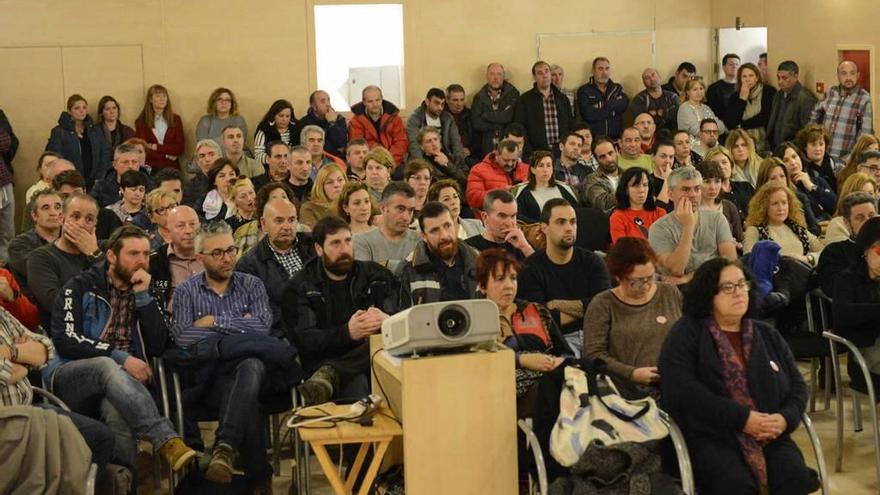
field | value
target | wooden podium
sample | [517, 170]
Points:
[459, 419]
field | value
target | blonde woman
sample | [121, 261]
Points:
[159, 202]
[693, 110]
[857, 182]
[776, 214]
[745, 158]
[325, 192]
[378, 164]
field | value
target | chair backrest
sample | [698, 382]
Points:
[594, 229]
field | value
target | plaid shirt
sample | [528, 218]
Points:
[289, 260]
[20, 393]
[118, 331]
[846, 114]
[551, 123]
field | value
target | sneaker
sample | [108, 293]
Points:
[176, 453]
[220, 468]
[319, 388]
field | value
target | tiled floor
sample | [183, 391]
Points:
[857, 477]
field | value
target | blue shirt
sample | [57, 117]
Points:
[243, 308]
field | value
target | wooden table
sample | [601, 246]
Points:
[379, 435]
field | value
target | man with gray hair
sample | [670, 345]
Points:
[689, 236]
[125, 158]
[557, 78]
[312, 137]
[44, 209]
[207, 152]
[222, 305]
[393, 241]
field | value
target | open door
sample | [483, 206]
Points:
[748, 43]
[862, 58]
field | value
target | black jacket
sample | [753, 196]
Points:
[63, 140]
[106, 188]
[693, 392]
[13, 145]
[529, 112]
[160, 275]
[307, 308]
[260, 262]
[335, 133]
[789, 114]
[490, 122]
[736, 106]
[527, 207]
[835, 259]
[856, 305]
[195, 190]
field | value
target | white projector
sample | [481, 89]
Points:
[439, 326]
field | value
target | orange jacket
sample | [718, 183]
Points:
[21, 307]
[488, 175]
[392, 135]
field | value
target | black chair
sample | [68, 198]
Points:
[594, 229]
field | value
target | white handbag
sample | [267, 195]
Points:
[588, 415]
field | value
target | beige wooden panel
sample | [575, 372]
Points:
[95, 71]
[629, 53]
[32, 95]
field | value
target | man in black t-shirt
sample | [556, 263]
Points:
[499, 216]
[564, 277]
[300, 167]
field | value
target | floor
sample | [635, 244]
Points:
[857, 477]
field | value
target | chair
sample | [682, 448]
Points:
[817, 301]
[594, 229]
[54, 399]
[540, 487]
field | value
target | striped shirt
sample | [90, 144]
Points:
[243, 308]
[18, 394]
[846, 114]
[260, 154]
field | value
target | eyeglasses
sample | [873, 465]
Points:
[730, 287]
[218, 254]
[162, 209]
[638, 283]
[873, 168]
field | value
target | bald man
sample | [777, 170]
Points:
[493, 107]
[846, 111]
[378, 122]
[176, 262]
[280, 254]
[322, 114]
[655, 101]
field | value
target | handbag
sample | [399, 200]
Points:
[591, 413]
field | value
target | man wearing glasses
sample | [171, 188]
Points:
[215, 305]
[869, 163]
[708, 136]
[689, 236]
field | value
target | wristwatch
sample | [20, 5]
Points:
[96, 255]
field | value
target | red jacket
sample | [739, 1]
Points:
[173, 143]
[21, 307]
[488, 175]
[392, 135]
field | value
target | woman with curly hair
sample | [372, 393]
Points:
[776, 214]
[773, 170]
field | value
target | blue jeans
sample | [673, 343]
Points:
[97, 435]
[98, 387]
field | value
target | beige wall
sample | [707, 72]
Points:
[807, 31]
[264, 50]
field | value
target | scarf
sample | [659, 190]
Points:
[799, 231]
[213, 203]
[753, 108]
[737, 384]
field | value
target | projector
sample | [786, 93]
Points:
[441, 326]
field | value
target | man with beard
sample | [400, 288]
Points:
[502, 231]
[389, 244]
[106, 326]
[45, 210]
[570, 168]
[176, 262]
[708, 136]
[563, 277]
[501, 169]
[330, 309]
[599, 187]
[432, 113]
[279, 256]
[846, 112]
[215, 306]
[440, 268]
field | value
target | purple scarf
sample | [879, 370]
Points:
[737, 383]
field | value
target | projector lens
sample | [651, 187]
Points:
[453, 322]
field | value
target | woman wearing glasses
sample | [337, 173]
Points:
[222, 112]
[731, 384]
[626, 326]
[159, 202]
[776, 214]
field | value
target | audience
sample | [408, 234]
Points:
[356, 207]
[325, 195]
[493, 107]
[448, 192]
[378, 122]
[355, 152]
[676, 84]
[299, 174]
[846, 112]
[245, 228]
[631, 154]
[418, 174]
[544, 111]
[685, 156]
[708, 138]
[563, 277]
[636, 208]
[601, 101]
[108, 189]
[570, 168]
[600, 186]
[656, 101]
[276, 125]
[837, 230]
[232, 140]
[813, 141]
[330, 309]
[445, 166]
[734, 185]
[692, 113]
[719, 94]
[158, 203]
[557, 78]
[866, 142]
[322, 114]
[46, 211]
[69, 182]
[132, 189]
[737, 412]
[176, 262]
[222, 112]
[791, 106]
[823, 199]
[499, 216]
[773, 170]
[378, 164]
[170, 179]
[745, 160]
[218, 202]
[431, 113]
[207, 152]
[44, 171]
[500, 169]
[663, 158]
[647, 128]
[441, 267]
[541, 188]
[312, 137]
[583, 130]
[626, 326]
[393, 241]
[77, 139]
[748, 106]
[464, 121]
[711, 199]
[855, 209]
[776, 214]
[161, 128]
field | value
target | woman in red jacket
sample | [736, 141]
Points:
[161, 128]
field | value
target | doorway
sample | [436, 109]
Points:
[748, 43]
[862, 59]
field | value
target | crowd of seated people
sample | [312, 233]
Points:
[292, 248]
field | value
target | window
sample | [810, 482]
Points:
[350, 55]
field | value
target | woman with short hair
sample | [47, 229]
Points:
[378, 164]
[222, 111]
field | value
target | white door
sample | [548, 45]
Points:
[748, 43]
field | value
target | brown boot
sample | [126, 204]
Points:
[220, 468]
[176, 453]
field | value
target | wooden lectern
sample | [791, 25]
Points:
[459, 419]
